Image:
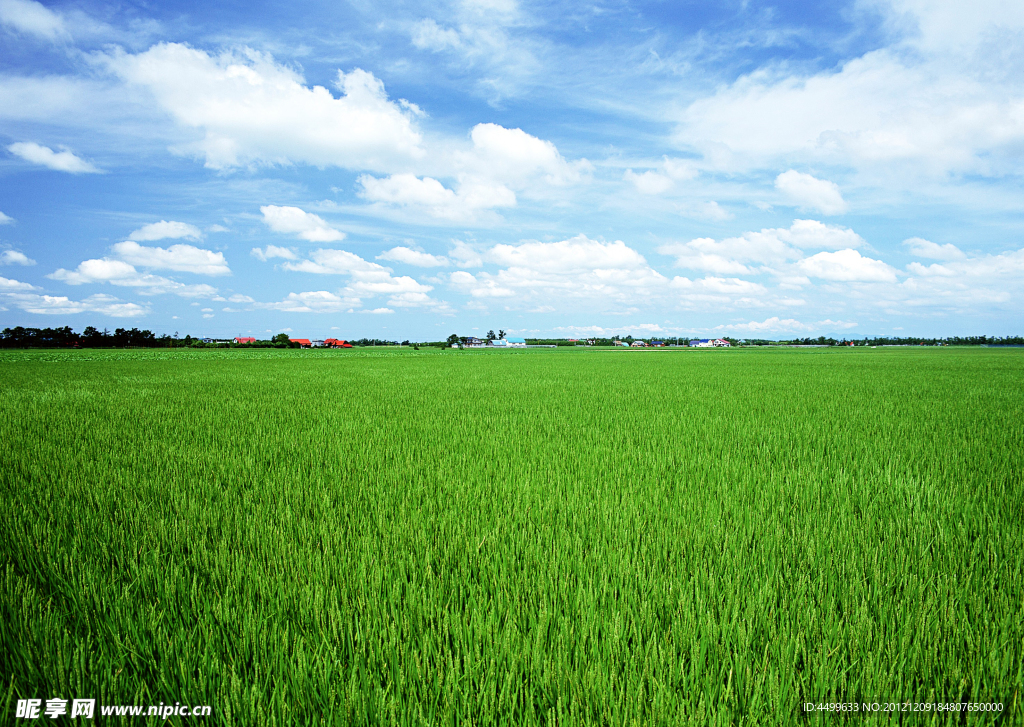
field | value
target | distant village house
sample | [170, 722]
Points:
[709, 343]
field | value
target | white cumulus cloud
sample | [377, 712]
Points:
[366, 279]
[464, 255]
[810, 234]
[433, 198]
[933, 251]
[649, 182]
[728, 257]
[662, 179]
[273, 251]
[578, 254]
[181, 257]
[988, 267]
[641, 328]
[121, 273]
[248, 109]
[714, 290]
[768, 247]
[601, 273]
[61, 305]
[298, 222]
[940, 99]
[810, 192]
[409, 256]
[163, 230]
[313, 301]
[847, 265]
[62, 161]
[8, 284]
[13, 257]
[483, 287]
[519, 159]
[779, 325]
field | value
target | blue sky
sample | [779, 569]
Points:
[409, 170]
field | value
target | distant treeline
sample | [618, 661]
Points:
[376, 342]
[892, 341]
[91, 337]
[667, 340]
[819, 341]
[65, 337]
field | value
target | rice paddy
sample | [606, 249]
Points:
[523, 537]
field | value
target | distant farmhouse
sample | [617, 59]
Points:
[507, 342]
[244, 339]
[709, 343]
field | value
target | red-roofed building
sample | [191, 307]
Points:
[303, 342]
[337, 343]
[245, 340]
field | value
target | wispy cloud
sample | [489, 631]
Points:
[62, 161]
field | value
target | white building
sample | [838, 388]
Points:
[514, 342]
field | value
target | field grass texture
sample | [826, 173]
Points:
[521, 537]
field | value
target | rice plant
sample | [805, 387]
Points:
[525, 537]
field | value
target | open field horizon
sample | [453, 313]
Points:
[571, 536]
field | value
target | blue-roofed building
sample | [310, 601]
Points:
[515, 342]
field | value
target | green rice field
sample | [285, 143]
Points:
[556, 537]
